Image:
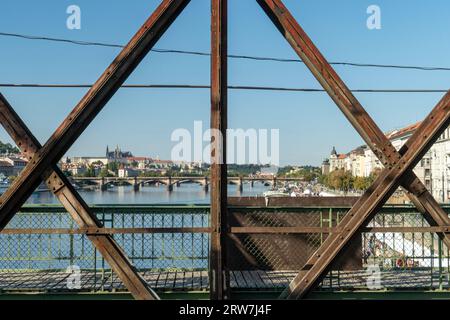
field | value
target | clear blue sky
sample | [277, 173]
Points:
[413, 32]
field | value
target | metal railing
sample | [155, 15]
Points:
[46, 237]
[170, 246]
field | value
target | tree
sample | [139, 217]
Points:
[113, 167]
[105, 173]
[340, 180]
[323, 179]
[308, 176]
[7, 148]
[134, 164]
[67, 173]
[90, 172]
[362, 183]
[306, 173]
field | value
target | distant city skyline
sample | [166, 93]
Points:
[142, 120]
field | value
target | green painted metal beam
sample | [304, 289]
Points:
[241, 295]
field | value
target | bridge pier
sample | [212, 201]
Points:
[240, 185]
[206, 185]
[169, 184]
[252, 183]
[103, 185]
[136, 185]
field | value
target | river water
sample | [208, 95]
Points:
[189, 193]
[147, 251]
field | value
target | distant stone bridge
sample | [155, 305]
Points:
[137, 182]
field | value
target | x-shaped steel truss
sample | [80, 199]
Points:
[43, 159]
[58, 183]
[398, 164]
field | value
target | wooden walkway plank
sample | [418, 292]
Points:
[265, 278]
[240, 280]
[251, 283]
[198, 280]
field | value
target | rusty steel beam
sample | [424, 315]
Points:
[355, 113]
[89, 106]
[353, 110]
[389, 179]
[335, 87]
[105, 231]
[233, 230]
[58, 183]
[334, 230]
[219, 273]
[292, 202]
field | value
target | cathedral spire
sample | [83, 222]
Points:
[333, 152]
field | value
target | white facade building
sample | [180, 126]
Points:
[433, 170]
[88, 161]
[438, 169]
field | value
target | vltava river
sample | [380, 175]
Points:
[189, 193]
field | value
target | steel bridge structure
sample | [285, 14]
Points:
[170, 247]
[231, 233]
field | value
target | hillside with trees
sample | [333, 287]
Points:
[8, 148]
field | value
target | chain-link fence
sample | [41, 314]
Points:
[375, 260]
[398, 260]
[42, 247]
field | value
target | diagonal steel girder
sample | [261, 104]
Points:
[355, 113]
[357, 116]
[378, 194]
[89, 106]
[58, 183]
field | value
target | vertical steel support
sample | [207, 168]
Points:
[219, 273]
